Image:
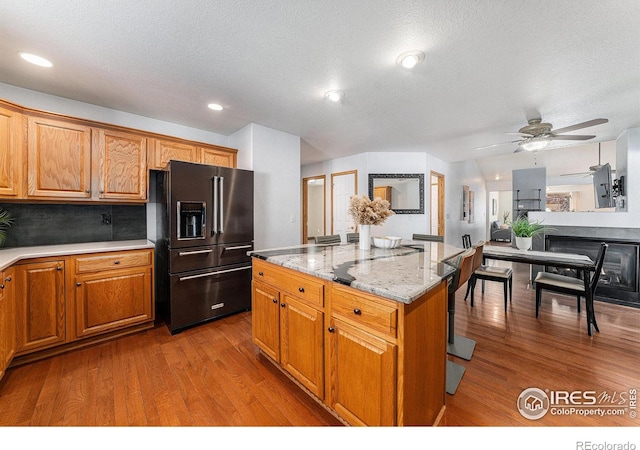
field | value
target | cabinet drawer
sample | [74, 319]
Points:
[300, 287]
[115, 260]
[374, 315]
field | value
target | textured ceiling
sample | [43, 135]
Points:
[490, 65]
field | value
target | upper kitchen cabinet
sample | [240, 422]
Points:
[219, 156]
[121, 165]
[11, 149]
[59, 159]
[161, 151]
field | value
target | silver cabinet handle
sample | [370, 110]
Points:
[195, 252]
[210, 274]
[238, 247]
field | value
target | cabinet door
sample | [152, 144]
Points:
[7, 321]
[164, 151]
[122, 165]
[114, 299]
[265, 319]
[39, 300]
[218, 157]
[301, 343]
[59, 159]
[362, 375]
[11, 176]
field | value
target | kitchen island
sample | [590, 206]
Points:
[362, 331]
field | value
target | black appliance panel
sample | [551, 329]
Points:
[234, 201]
[234, 253]
[193, 258]
[200, 296]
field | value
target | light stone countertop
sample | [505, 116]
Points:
[402, 274]
[9, 256]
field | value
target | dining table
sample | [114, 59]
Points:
[582, 264]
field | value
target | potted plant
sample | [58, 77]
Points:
[5, 222]
[525, 230]
[367, 212]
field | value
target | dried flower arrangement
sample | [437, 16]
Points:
[369, 212]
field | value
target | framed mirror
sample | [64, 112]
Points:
[405, 191]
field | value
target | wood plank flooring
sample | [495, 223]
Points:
[212, 375]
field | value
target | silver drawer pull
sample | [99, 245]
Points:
[239, 247]
[217, 306]
[195, 252]
[210, 274]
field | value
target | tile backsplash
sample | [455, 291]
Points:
[51, 224]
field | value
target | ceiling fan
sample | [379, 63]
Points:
[592, 169]
[538, 134]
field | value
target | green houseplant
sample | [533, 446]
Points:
[5, 222]
[525, 230]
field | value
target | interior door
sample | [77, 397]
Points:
[313, 207]
[437, 204]
[343, 186]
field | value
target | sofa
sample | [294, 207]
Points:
[500, 234]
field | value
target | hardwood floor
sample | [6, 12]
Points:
[212, 375]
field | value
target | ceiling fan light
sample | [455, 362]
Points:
[534, 145]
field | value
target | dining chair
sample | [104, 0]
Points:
[428, 237]
[466, 241]
[484, 273]
[572, 286]
[353, 237]
[328, 239]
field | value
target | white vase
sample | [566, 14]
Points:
[523, 243]
[365, 237]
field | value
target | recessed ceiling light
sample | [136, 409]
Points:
[334, 96]
[409, 59]
[215, 106]
[497, 177]
[35, 59]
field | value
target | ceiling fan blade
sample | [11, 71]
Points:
[495, 145]
[517, 133]
[575, 174]
[573, 137]
[588, 123]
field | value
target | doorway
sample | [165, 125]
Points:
[343, 186]
[314, 206]
[436, 222]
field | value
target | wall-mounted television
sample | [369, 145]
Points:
[602, 186]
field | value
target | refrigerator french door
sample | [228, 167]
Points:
[209, 230]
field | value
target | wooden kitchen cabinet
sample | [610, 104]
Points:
[11, 153]
[7, 321]
[382, 362]
[161, 151]
[288, 327]
[59, 159]
[112, 291]
[40, 305]
[121, 165]
[219, 156]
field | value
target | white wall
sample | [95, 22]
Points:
[404, 225]
[275, 158]
[73, 108]
[466, 173]
[628, 162]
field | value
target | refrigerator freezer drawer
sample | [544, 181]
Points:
[204, 295]
[193, 258]
[235, 253]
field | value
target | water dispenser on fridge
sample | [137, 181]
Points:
[191, 220]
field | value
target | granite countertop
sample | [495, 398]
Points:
[402, 274]
[9, 256]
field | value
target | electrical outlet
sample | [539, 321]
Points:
[292, 218]
[106, 219]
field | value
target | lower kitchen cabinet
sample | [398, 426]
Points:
[110, 300]
[67, 302]
[40, 305]
[363, 373]
[7, 321]
[382, 362]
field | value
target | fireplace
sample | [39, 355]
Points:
[619, 279]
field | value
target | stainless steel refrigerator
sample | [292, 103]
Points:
[204, 229]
